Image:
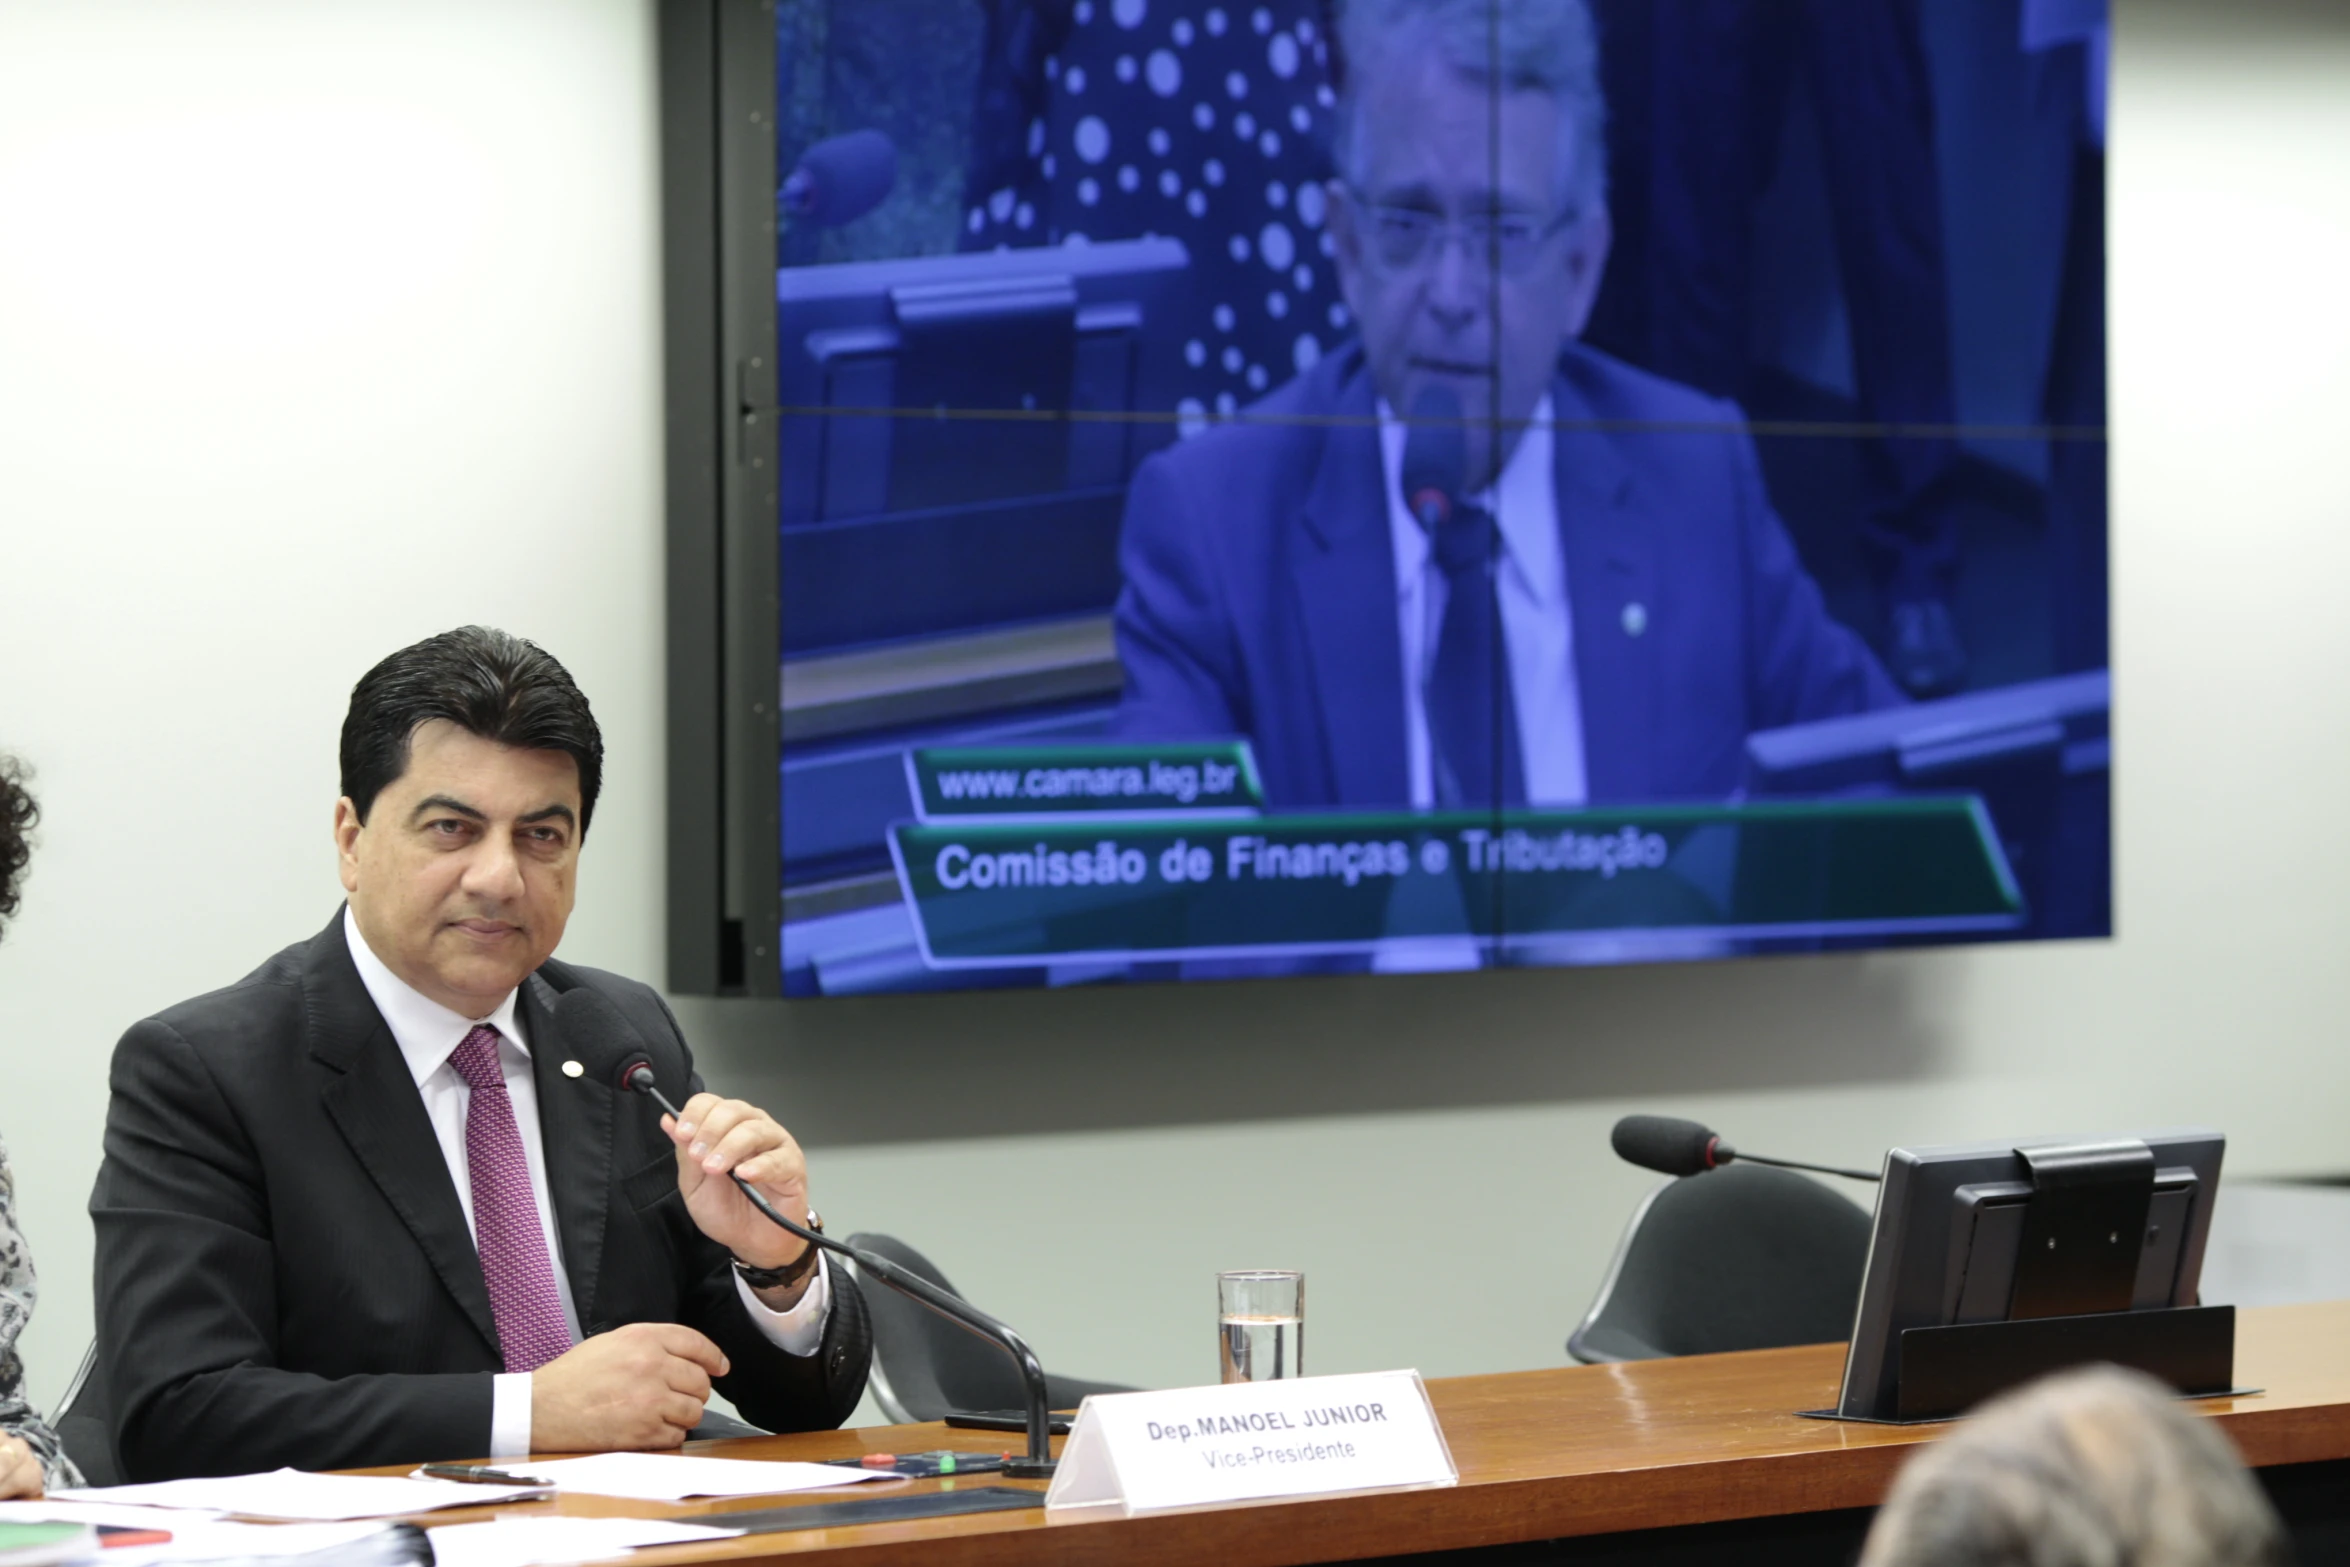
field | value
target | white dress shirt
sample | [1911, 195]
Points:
[428, 1034]
[1537, 620]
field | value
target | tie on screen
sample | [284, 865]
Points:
[1472, 716]
[514, 1261]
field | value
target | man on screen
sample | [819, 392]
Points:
[368, 1206]
[1610, 528]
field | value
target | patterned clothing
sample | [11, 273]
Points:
[18, 1291]
[514, 1260]
[1204, 120]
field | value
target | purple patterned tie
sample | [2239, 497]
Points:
[506, 1229]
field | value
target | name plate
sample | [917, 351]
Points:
[1246, 1441]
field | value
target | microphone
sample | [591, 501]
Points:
[840, 179]
[610, 1054]
[1672, 1146]
[1435, 457]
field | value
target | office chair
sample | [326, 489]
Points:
[83, 1423]
[1744, 1257]
[925, 1367]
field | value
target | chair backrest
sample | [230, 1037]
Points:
[1744, 1257]
[923, 1365]
[85, 1425]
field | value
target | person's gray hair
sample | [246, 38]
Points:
[2093, 1468]
[1547, 46]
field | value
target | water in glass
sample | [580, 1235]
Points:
[1260, 1349]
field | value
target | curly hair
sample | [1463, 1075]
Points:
[17, 815]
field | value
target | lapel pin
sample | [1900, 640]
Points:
[572, 1069]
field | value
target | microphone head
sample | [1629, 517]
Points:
[1668, 1144]
[594, 1034]
[842, 178]
[1435, 456]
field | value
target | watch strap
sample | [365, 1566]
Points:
[791, 1272]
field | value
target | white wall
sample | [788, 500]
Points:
[323, 326]
[326, 325]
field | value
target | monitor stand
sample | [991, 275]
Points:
[1946, 1371]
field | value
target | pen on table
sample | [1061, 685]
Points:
[119, 1534]
[482, 1474]
[946, 1461]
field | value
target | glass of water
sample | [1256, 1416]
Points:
[1261, 1324]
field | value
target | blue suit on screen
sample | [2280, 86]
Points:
[1260, 593]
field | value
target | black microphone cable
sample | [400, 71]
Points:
[594, 1030]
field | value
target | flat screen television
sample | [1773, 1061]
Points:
[1175, 489]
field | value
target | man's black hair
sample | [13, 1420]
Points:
[487, 682]
[17, 815]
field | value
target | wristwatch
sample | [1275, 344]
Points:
[791, 1272]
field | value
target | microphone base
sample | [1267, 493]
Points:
[1030, 1468]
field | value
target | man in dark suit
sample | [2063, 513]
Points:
[1699, 93]
[1610, 606]
[363, 1207]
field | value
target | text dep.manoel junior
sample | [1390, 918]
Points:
[1264, 1422]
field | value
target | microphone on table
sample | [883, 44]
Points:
[611, 1054]
[1435, 457]
[840, 179]
[1672, 1146]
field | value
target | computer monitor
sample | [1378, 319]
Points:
[957, 433]
[2065, 720]
[2012, 1232]
[2038, 754]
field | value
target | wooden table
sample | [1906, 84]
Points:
[1574, 1451]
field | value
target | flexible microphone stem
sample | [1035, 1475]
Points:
[1673, 1146]
[1816, 1169]
[1038, 1463]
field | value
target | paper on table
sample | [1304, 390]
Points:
[43, 1544]
[112, 1514]
[668, 1477]
[209, 1540]
[521, 1542]
[310, 1498]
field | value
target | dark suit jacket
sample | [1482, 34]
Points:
[284, 1274]
[1260, 593]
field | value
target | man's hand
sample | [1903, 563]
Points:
[637, 1388]
[719, 1137]
[20, 1470]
